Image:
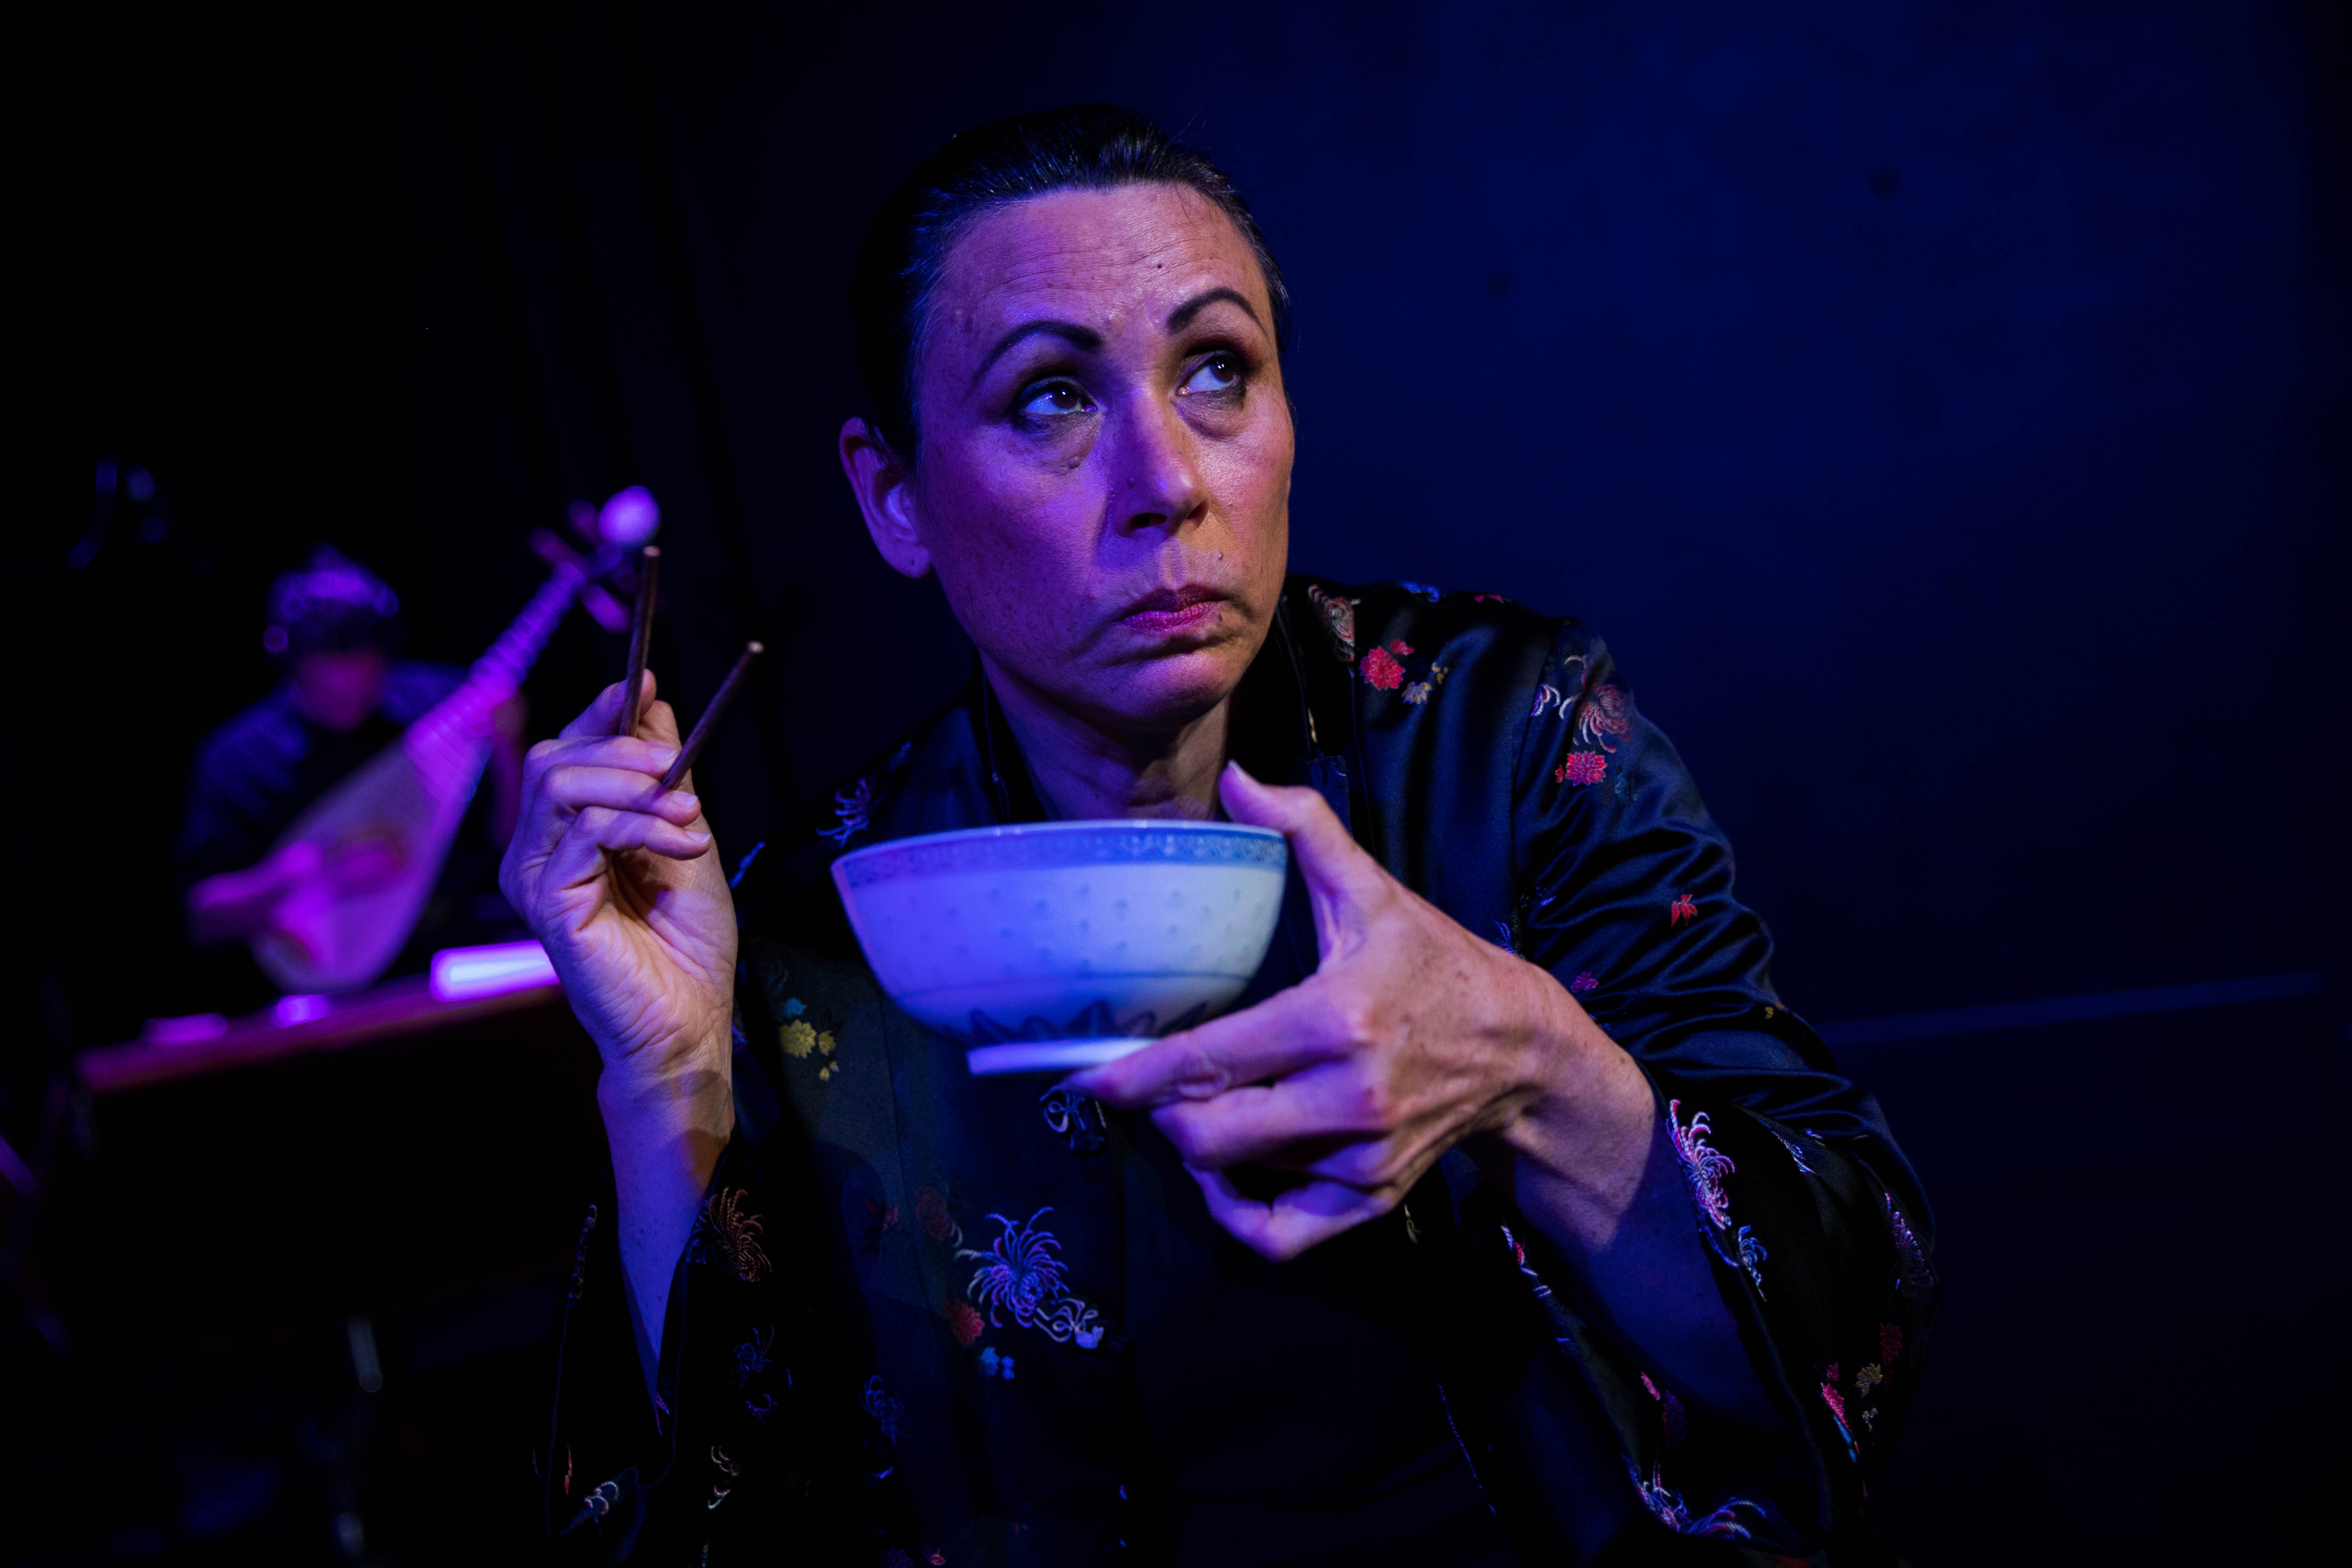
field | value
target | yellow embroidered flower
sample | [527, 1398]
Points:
[799, 1038]
[1868, 1378]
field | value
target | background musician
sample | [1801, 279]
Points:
[333, 627]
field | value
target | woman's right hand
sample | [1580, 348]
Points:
[621, 880]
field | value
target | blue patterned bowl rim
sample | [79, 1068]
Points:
[1116, 842]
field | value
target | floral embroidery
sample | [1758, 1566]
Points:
[879, 1403]
[761, 1408]
[751, 1356]
[1546, 696]
[1383, 671]
[1685, 908]
[1915, 1276]
[1582, 768]
[1584, 984]
[728, 1237]
[1836, 1402]
[726, 1466]
[1796, 1153]
[1603, 711]
[1502, 937]
[966, 1324]
[992, 1364]
[854, 809]
[1704, 1164]
[1424, 589]
[1401, 648]
[932, 1213]
[1338, 619]
[1488, 599]
[1022, 1274]
[1868, 1378]
[1752, 1256]
[1669, 1509]
[1075, 1116]
[1890, 1343]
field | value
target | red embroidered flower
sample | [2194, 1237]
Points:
[1890, 1343]
[1401, 648]
[1582, 768]
[1383, 672]
[932, 1210]
[964, 1318]
[1685, 908]
[1584, 984]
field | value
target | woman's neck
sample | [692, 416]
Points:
[1083, 772]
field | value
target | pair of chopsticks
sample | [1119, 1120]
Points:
[641, 633]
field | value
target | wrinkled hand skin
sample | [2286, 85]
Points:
[621, 880]
[1411, 1036]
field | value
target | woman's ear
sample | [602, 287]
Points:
[883, 484]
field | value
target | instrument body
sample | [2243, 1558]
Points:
[404, 803]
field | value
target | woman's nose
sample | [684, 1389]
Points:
[1158, 483]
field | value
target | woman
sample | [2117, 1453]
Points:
[1508, 1217]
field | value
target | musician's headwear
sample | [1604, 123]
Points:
[332, 605]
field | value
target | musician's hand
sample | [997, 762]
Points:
[622, 882]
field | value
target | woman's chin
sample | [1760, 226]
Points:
[1170, 691]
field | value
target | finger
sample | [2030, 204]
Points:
[580, 856]
[1293, 1220]
[1289, 1030]
[1307, 1117]
[598, 717]
[1339, 875]
[575, 788]
[651, 758]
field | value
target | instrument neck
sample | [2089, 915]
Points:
[463, 717]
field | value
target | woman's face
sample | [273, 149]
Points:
[1103, 480]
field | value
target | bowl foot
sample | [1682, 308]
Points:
[1049, 1056]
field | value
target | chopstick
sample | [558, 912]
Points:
[704, 726]
[641, 637]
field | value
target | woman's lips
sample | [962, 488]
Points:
[1174, 612]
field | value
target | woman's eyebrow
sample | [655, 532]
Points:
[1182, 316]
[1084, 338]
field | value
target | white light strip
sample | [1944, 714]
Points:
[466, 973]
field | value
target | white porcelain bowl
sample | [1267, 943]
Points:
[1059, 945]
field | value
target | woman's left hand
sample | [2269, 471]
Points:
[1411, 1036]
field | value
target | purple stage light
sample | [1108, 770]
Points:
[630, 517]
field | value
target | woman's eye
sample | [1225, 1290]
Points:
[1054, 399]
[1218, 372]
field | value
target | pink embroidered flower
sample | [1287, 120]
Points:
[1685, 908]
[1401, 649]
[965, 1322]
[1890, 1343]
[1704, 1164]
[1584, 984]
[1829, 1394]
[1603, 711]
[1338, 620]
[1382, 671]
[1488, 598]
[1582, 768]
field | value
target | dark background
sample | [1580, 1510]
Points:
[1943, 408]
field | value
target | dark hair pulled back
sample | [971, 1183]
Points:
[1082, 146]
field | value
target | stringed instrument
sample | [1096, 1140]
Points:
[407, 803]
